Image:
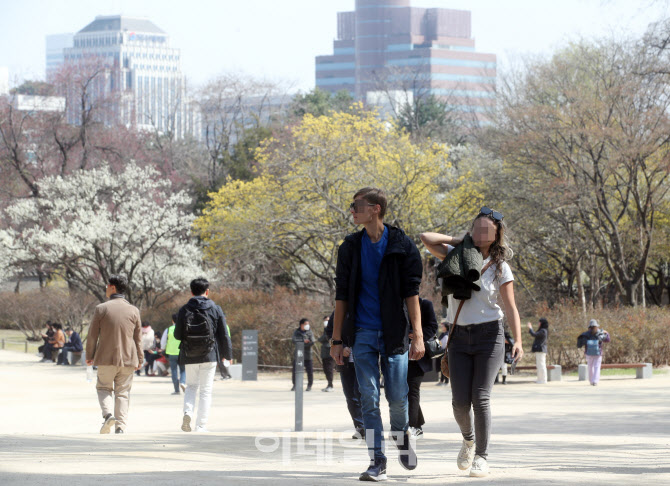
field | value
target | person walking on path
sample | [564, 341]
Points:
[444, 335]
[349, 382]
[540, 349]
[201, 328]
[475, 350]
[304, 335]
[326, 360]
[377, 280]
[592, 341]
[171, 346]
[418, 368]
[74, 345]
[114, 345]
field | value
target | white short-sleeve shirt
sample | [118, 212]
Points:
[483, 305]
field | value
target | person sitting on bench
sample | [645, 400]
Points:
[73, 345]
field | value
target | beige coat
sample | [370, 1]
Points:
[115, 335]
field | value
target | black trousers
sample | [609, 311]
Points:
[475, 356]
[414, 378]
[352, 393]
[309, 369]
[328, 369]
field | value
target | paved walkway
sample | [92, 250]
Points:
[561, 433]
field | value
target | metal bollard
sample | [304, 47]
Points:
[299, 369]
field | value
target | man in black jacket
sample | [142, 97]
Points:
[304, 335]
[73, 346]
[205, 341]
[376, 304]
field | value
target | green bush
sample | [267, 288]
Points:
[638, 335]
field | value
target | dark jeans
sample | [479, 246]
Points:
[177, 372]
[414, 378]
[309, 369]
[328, 369]
[62, 357]
[351, 393]
[475, 355]
[48, 349]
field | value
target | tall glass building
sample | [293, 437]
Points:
[143, 75]
[387, 46]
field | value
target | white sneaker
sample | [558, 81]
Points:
[466, 454]
[183, 387]
[200, 429]
[480, 468]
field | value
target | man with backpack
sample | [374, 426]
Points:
[201, 328]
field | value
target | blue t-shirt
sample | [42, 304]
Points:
[368, 307]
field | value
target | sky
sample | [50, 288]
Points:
[278, 40]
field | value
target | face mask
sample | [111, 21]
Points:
[306, 327]
[325, 323]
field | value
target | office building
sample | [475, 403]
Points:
[142, 83]
[388, 46]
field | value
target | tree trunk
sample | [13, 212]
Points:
[580, 287]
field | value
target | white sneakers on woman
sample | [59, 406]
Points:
[466, 455]
[480, 467]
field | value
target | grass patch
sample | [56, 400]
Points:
[15, 341]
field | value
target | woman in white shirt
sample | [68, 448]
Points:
[476, 348]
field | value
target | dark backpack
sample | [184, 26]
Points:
[199, 334]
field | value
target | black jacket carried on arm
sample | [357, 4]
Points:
[223, 348]
[399, 278]
[460, 271]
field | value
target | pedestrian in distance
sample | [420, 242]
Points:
[303, 334]
[201, 328]
[540, 349]
[114, 345]
[377, 281]
[475, 350]
[592, 341]
[327, 361]
[171, 346]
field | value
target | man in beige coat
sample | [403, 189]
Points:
[114, 346]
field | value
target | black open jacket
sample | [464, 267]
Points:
[399, 278]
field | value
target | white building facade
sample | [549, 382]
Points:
[142, 78]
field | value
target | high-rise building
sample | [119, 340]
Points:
[387, 46]
[56, 44]
[143, 74]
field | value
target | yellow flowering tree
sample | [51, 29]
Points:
[295, 214]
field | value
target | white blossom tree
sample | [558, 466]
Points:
[94, 223]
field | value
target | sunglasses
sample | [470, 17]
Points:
[486, 211]
[358, 206]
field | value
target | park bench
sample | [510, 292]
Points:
[642, 370]
[553, 371]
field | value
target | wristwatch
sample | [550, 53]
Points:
[336, 342]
